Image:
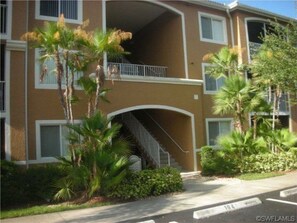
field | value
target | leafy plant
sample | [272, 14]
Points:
[281, 139]
[101, 159]
[218, 162]
[242, 144]
[268, 162]
[147, 183]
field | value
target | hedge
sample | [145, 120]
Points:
[269, 162]
[147, 183]
[20, 186]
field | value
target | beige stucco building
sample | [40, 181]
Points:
[163, 84]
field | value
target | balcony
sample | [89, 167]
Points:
[128, 69]
[283, 105]
[3, 16]
[254, 48]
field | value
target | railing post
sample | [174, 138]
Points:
[144, 72]
[158, 154]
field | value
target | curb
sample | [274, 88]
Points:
[289, 192]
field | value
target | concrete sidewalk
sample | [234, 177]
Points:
[199, 192]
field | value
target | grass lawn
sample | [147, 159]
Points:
[258, 176]
[43, 209]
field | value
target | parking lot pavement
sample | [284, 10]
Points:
[273, 208]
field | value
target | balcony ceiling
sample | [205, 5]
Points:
[131, 15]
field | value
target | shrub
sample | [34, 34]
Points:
[20, 186]
[269, 162]
[217, 162]
[147, 183]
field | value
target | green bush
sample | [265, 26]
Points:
[217, 162]
[20, 186]
[147, 183]
[269, 162]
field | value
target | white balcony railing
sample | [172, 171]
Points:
[283, 103]
[138, 69]
[3, 17]
[254, 48]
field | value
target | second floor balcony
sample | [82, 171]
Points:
[129, 69]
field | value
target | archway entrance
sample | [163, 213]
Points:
[159, 130]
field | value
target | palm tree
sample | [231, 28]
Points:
[102, 159]
[74, 50]
[225, 63]
[234, 98]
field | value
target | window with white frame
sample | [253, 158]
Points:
[48, 79]
[216, 128]
[51, 139]
[52, 9]
[211, 84]
[212, 28]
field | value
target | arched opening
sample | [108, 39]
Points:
[172, 128]
[157, 41]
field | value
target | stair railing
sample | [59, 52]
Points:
[147, 141]
[166, 133]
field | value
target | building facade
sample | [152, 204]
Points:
[163, 88]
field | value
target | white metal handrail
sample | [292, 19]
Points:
[147, 141]
[139, 70]
[166, 133]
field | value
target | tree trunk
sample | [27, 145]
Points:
[60, 72]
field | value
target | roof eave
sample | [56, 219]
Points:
[239, 6]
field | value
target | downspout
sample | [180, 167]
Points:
[231, 25]
[26, 89]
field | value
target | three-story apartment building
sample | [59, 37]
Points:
[164, 96]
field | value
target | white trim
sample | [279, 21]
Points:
[38, 124]
[212, 16]
[8, 21]
[7, 106]
[207, 120]
[16, 45]
[160, 80]
[236, 5]
[164, 107]
[246, 20]
[79, 19]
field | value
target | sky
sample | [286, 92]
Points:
[283, 7]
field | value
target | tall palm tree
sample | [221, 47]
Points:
[233, 98]
[74, 50]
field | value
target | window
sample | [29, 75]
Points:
[51, 9]
[216, 128]
[51, 139]
[211, 84]
[212, 28]
[49, 80]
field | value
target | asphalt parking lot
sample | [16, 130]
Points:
[273, 208]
